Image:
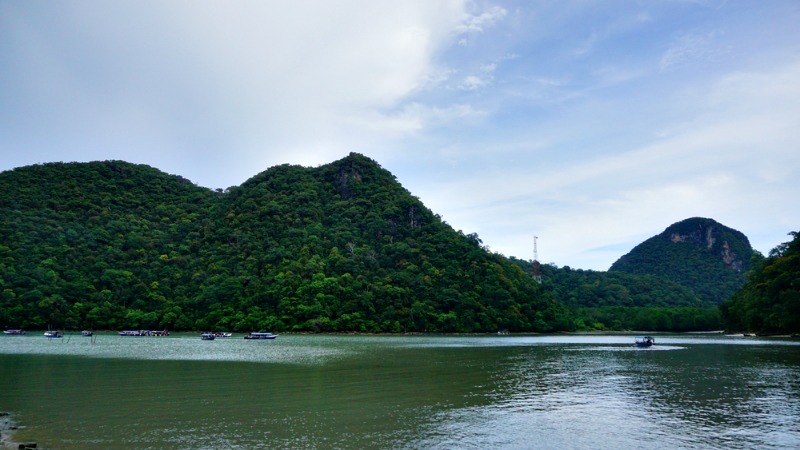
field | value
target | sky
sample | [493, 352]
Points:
[593, 125]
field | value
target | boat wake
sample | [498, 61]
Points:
[626, 348]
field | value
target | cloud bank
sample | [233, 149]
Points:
[592, 125]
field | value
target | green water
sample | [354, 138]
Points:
[402, 392]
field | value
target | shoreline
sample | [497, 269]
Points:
[71, 333]
[7, 428]
[424, 333]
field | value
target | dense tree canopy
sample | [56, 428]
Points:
[622, 301]
[769, 302]
[700, 254]
[342, 247]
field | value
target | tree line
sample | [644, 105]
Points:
[769, 302]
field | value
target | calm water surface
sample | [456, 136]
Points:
[689, 391]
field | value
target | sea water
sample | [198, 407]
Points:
[330, 391]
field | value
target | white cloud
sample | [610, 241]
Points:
[691, 47]
[263, 80]
[473, 82]
[512, 133]
[478, 23]
[479, 80]
[732, 156]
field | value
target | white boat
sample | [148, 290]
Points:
[257, 335]
[14, 332]
[53, 334]
[135, 333]
[138, 333]
[208, 336]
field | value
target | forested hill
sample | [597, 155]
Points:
[592, 289]
[341, 247]
[705, 256]
[769, 302]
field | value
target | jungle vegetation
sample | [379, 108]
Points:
[674, 281]
[600, 301]
[340, 247]
[769, 302]
[700, 254]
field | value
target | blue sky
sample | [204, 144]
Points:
[591, 124]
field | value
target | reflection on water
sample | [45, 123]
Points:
[403, 392]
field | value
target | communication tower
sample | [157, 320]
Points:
[536, 271]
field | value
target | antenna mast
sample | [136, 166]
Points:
[536, 269]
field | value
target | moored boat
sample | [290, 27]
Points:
[14, 332]
[135, 333]
[257, 335]
[223, 334]
[156, 333]
[53, 334]
[208, 336]
[138, 333]
[645, 341]
[87, 333]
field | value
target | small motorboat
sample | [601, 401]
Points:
[645, 341]
[134, 333]
[53, 334]
[257, 335]
[87, 333]
[155, 332]
[138, 333]
[208, 336]
[14, 332]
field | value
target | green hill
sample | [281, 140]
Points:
[592, 289]
[622, 301]
[700, 254]
[341, 247]
[769, 303]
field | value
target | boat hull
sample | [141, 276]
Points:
[644, 341]
[139, 333]
[260, 336]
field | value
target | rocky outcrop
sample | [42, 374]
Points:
[708, 234]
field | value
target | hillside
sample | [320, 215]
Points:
[592, 289]
[341, 247]
[769, 303]
[622, 301]
[700, 254]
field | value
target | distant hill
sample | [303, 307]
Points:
[622, 301]
[341, 247]
[700, 254]
[592, 289]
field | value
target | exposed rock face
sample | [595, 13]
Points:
[706, 233]
[730, 258]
